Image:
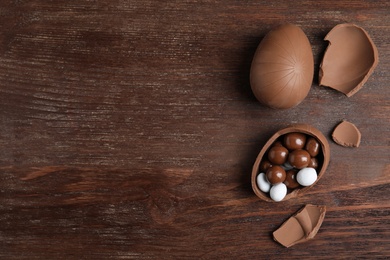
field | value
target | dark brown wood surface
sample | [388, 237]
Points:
[128, 130]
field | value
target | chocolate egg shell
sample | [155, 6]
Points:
[323, 158]
[346, 134]
[282, 68]
[349, 60]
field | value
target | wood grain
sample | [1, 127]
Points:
[129, 129]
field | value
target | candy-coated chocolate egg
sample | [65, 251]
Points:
[290, 180]
[277, 143]
[294, 141]
[307, 176]
[313, 163]
[277, 155]
[312, 146]
[276, 174]
[264, 165]
[278, 192]
[263, 183]
[299, 159]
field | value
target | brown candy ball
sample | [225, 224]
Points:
[276, 174]
[313, 163]
[277, 155]
[264, 165]
[312, 147]
[277, 143]
[290, 180]
[299, 159]
[294, 141]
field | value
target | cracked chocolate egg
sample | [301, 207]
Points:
[322, 158]
[349, 59]
[282, 68]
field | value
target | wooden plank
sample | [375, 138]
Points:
[129, 129]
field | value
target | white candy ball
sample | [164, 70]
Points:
[263, 183]
[278, 192]
[307, 176]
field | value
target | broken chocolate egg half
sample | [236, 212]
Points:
[282, 68]
[322, 158]
[349, 59]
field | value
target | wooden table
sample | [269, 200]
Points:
[129, 129]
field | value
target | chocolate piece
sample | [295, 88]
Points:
[313, 163]
[346, 134]
[276, 174]
[278, 192]
[323, 158]
[307, 176]
[299, 158]
[290, 180]
[277, 155]
[294, 141]
[264, 165]
[349, 60]
[277, 143]
[282, 68]
[312, 147]
[301, 227]
[263, 183]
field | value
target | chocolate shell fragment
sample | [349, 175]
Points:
[349, 60]
[301, 227]
[346, 134]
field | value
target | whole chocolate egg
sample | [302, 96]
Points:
[282, 68]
